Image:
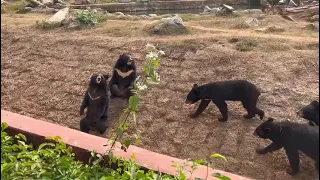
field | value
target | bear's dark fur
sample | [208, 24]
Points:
[310, 112]
[123, 77]
[293, 137]
[219, 92]
[96, 100]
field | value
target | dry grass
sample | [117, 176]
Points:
[45, 73]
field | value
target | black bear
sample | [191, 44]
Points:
[96, 100]
[219, 92]
[310, 112]
[123, 77]
[293, 137]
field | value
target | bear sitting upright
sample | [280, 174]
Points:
[293, 137]
[310, 112]
[219, 92]
[96, 100]
[123, 77]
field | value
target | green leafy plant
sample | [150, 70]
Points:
[89, 18]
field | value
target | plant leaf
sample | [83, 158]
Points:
[218, 156]
[220, 176]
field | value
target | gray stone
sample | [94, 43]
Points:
[74, 25]
[47, 2]
[58, 6]
[291, 3]
[94, 10]
[118, 14]
[170, 25]
[59, 17]
[152, 15]
[315, 18]
[252, 22]
[143, 16]
[176, 20]
[27, 9]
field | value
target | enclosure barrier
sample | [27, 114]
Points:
[83, 143]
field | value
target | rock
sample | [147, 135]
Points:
[58, 6]
[314, 18]
[207, 10]
[27, 9]
[74, 25]
[313, 26]
[252, 22]
[47, 2]
[152, 15]
[45, 10]
[274, 29]
[170, 25]
[94, 10]
[60, 17]
[291, 3]
[176, 20]
[251, 11]
[118, 14]
[260, 16]
[143, 16]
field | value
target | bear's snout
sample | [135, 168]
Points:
[300, 113]
[188, 102]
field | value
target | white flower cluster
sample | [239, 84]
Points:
[140, 86]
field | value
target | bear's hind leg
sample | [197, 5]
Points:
[203, 105]
[293, 156]
[115, 91]
[84, 125]
[250, 107]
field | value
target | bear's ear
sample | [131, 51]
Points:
[315, 103]
[195, 86]
[270, 120]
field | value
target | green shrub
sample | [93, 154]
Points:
[90, 18]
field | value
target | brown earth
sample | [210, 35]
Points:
[45, 73]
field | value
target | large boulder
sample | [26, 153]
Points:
[60, 17]
[169, 26]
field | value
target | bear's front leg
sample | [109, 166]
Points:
[272, 147]
[203, 105]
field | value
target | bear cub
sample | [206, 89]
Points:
[123, 77]
[310, 112]
[96, 100]
[219, 92]
[293, 137]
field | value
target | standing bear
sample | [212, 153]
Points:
[222, 91]
[123, 77]
[96, 100]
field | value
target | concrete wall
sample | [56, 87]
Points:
[154, 5]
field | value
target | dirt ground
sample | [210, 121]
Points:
[44, 74]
